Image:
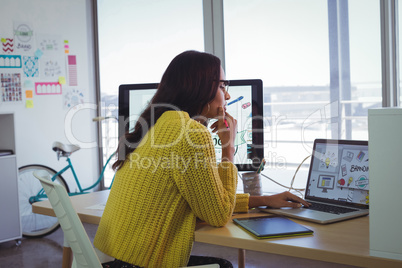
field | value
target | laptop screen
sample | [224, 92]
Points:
[339, 172]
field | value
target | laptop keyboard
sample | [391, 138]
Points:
[329, 208]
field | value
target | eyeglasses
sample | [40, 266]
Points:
[225, 84]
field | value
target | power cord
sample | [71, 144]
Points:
[289, 188]
[294, 176]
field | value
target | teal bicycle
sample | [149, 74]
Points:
[31, 191]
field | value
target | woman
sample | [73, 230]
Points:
[168, 175]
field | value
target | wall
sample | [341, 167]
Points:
[67, 116]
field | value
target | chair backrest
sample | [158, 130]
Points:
[74, 232]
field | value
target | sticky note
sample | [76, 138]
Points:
[3, 40]
[38, 53]
[66, 51]
[29, 104]
[28, 93]
[28, 83]
[65, 41]
[62, 80]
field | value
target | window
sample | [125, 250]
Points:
[137, 40]
[320, 62]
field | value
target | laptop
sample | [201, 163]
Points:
[337, 184]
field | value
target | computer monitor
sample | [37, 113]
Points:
[245, 105]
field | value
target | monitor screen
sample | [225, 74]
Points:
[245, 105]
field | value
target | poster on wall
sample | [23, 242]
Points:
[50, 54]
[10, 61]
[30, 66]
[23, 38]
[48, 88]
[11, 87]
[72, 97]
[7, 45]
[51, 68]
[49, 44]
[72, 70]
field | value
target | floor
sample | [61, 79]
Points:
[47, 252]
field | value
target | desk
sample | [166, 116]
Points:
[344, 242]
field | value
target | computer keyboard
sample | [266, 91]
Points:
[329, 208]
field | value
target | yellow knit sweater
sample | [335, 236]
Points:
[170, 180]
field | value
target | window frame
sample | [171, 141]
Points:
[214, 43]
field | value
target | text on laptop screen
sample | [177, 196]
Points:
[340, 172]
[245, 105]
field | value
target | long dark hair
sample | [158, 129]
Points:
[189, 83]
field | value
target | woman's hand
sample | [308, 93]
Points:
[226, 128]
[285, 199]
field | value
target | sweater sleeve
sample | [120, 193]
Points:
[242, 203]
[208, 188]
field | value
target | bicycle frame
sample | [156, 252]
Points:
[41, 194]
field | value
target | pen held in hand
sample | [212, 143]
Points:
[226, 123]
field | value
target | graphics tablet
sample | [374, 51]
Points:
[271, 227]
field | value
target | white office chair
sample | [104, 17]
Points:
[74, 233]
[84, 254]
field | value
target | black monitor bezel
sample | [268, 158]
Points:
[258, 122]
[257, 115]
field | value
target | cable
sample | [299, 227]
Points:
[294, 176]
[289, 188]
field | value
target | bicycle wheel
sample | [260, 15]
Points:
[35, 225]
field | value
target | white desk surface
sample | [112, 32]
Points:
[344, 242]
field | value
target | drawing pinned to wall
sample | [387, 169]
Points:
[10, 61]
[73, 97]
[11, 87]
[48, 88]
[30, 66]
[7, 45]
[51, 67]
[49, 44]
[23, 37]
[72, 70]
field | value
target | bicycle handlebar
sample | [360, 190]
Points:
[101, 118]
